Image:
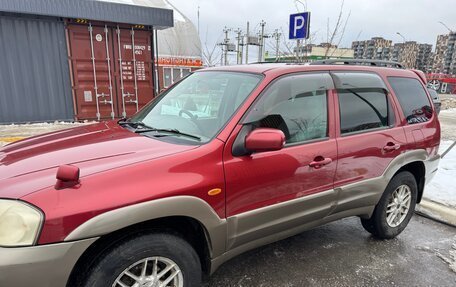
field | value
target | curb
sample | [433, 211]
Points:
[437, 212]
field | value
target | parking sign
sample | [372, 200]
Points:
[299, 26]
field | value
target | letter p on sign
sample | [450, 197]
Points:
[299, 22]
[299, 25]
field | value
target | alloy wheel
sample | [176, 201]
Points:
[151, 272]
[399, 206]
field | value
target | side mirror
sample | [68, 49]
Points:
[264, 139]
[67, 176]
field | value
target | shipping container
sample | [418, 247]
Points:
[133, 70]
[111, 70]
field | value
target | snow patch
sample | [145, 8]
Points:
[442, 188]
[451, 260]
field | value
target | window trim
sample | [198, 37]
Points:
[330, 112]
[366, 131]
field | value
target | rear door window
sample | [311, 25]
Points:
[363, 102]
[362, 110]
[413, 99]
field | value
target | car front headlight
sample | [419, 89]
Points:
[20, 223]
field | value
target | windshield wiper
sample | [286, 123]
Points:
[172, 131]
[134, 124]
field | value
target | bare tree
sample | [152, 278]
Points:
[211, 53]
[338, 31]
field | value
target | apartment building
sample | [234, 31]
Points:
[376, 48]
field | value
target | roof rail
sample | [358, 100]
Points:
[362, 62]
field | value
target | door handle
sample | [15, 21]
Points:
[320, 162]
[391, 147]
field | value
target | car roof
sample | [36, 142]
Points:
[285, 68]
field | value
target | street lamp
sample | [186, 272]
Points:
[401, 36]
[451, 31]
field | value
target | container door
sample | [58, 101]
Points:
[91, 59]
[133, 70]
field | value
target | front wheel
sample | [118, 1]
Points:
[151, 260]
[395, 208]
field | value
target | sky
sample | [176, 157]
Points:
[416, 20]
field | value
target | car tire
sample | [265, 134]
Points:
[395, 208]
[161, 252]
[367, 225]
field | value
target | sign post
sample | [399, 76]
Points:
[299, 26]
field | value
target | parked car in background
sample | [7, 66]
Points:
[228, 159]
[435, 99]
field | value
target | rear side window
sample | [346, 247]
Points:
[413, 99]
[363, 102]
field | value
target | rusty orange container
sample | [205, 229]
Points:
[111, 69]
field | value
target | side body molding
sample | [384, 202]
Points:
[368, 192]
[187, 206]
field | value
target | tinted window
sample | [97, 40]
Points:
[297, 105]
[413, 99]
[363, 109]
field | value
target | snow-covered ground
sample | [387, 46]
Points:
[442, 188]
[448, 124]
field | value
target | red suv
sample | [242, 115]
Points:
[227, 160]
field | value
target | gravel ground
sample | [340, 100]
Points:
[448, 101]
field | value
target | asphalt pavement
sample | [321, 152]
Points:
[343, 254]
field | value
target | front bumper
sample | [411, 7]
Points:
[44, 266]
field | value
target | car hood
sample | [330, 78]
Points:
[31, 164]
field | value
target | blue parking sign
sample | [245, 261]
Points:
[299, 26]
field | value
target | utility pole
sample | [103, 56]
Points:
[199, 22]
[298, 52]
[247, 44]
[240, 45]
[260, 47]
[224, 45]
[276, 35]
[226, 42]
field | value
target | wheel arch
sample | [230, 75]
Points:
[188, 217]
[418, 169]
[185, 227]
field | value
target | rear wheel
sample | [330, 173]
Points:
[395, 208]
[151, 260]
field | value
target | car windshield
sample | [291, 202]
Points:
[197, 107]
